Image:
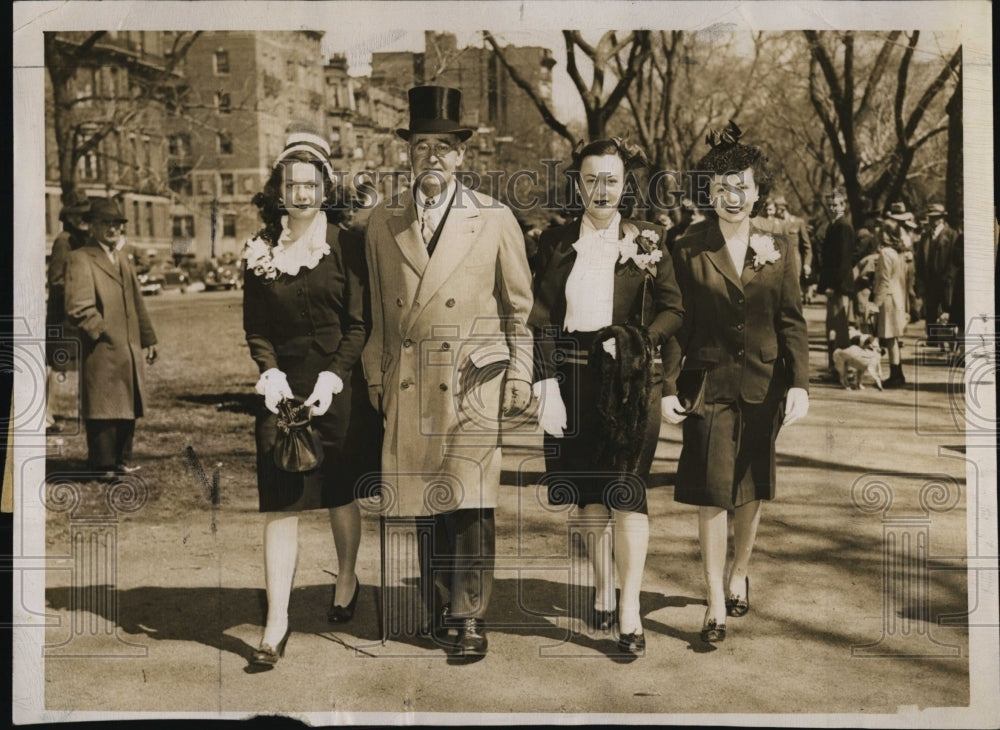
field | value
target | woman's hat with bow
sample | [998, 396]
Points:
[304, 138]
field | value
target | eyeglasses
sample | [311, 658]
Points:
[112, 224]
[422, 149]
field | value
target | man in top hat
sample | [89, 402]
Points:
[797, 233]
[906, 224]
[836, 276]
[72, 237]
[104, 301]
[935, 268]
[449, 355]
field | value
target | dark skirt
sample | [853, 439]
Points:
[728, 456]
[350, 432]
[571, 476]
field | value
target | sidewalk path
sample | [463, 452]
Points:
[192, 595]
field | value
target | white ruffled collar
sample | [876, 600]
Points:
[306, 250]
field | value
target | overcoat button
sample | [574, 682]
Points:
[405, 384]
[450, 303]
[740, 326]
[739, 353]
[399, 301]
[443, 386]
[407, 342]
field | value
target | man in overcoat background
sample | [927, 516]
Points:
[836, 275]
[104, 301]
[935, 269]
[449, 354]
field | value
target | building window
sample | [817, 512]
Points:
[221, 62]
[229, 225]
[183, 226]
[147, 153]
[150, 228]
[226, 179]
[179, 179]
[225, 143]
[180, 144]
[222, 102]
[48, 214]
[136, 220]
[89, 166]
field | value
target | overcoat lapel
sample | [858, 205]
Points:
[406, 230]
[458, 234]
[97, 254]
[715, 251]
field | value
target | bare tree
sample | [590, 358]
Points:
[846, 102]
[80, 124]
[599, 105]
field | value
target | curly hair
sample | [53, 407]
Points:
[727, 156]
[271, 205]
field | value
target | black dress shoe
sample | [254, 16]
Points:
[471, 639]
[343, 614]
[713, 632]
[603, 620]
[266, 656]
[632, 643]
[737, 606]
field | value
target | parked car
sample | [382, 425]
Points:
[163, 276]
[150, 283]
[222, 276]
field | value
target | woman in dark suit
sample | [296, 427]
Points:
[605, 299]
[740, 362]
[303, 315]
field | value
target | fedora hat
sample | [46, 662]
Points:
[105, 209]
[435, 110]
[77, 203]
[898, 212]
[935, 210]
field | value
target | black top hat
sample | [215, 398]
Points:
[105, 209]
[435, 110]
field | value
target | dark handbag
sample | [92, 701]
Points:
[297, 447]
[691, 390]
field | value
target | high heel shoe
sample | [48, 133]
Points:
[737, 606]
[634, 643]
[713, 632]
[343, 614]
[265, 656]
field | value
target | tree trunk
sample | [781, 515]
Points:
[953, 187]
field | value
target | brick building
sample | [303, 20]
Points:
[244, 87]
[129, 160]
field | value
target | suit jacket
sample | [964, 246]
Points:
[444, 329]
[639, 297]
[105, 302]
[312, 321]
[746, 329]
[837, 261]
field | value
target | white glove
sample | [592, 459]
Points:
[806, 270]
[551, 409]
[273, 385]
[328, 384]
[796, 405]
[672, 410]
[610, 347]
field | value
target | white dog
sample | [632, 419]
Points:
[863, 356]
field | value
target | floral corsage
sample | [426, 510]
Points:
[764, 250]
[259, 256]
[640, 248]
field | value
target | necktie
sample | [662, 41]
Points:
[428, 222]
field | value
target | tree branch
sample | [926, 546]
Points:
[536, 99]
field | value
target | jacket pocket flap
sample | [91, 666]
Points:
[769, 353]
